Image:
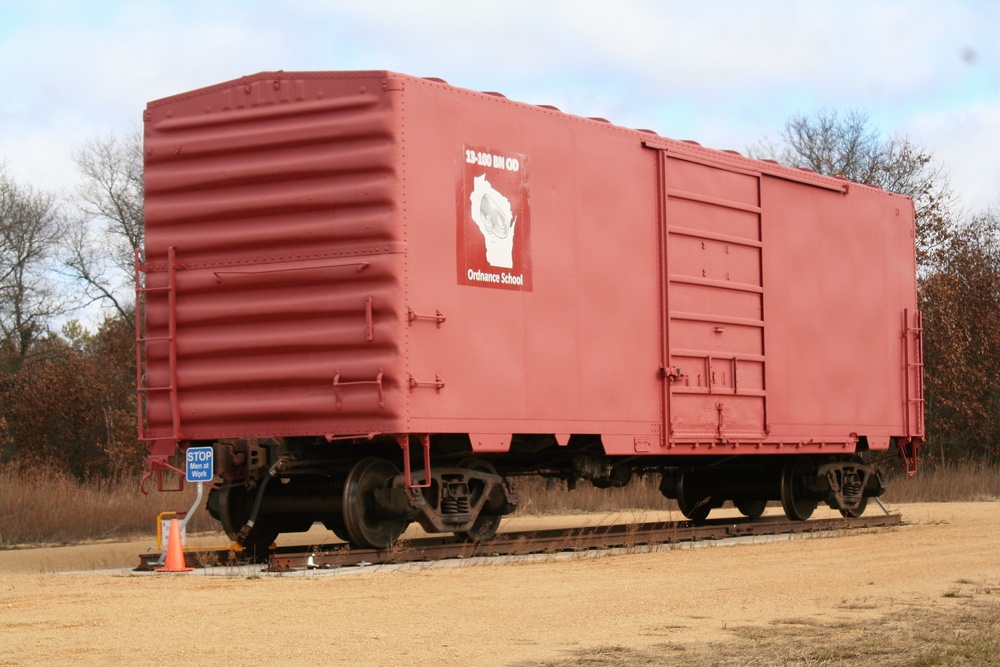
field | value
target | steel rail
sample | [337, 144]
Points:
[522, 543]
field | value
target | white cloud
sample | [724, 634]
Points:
[967, 142]
[724, 72]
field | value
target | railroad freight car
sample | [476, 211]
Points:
[379, 298]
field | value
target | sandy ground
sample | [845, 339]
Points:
[498, 613]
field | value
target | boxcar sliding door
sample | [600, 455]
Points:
[713, 301]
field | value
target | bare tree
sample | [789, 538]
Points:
[845, 145]
[101, 245]
[30, 229]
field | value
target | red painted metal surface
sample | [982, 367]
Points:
[362, 253]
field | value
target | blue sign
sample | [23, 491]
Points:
[199, 464]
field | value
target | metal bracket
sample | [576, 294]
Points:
[157, 466]
[369, 321]
[909, 451]
[671, 373]
[425, 442]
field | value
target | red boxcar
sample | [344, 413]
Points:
[347, 270]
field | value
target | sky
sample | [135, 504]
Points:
[725, 73]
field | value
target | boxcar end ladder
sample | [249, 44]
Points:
[913, 387]
[158, 455]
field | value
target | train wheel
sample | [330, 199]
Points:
[857, 510]
[361, 522]
[235, 505]
[485, 526]
[694, 506]
[793, 489]
[752, 509]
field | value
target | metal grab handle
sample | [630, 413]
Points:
[360, 266]
[437, 318]
[337, 384]
[438, 383]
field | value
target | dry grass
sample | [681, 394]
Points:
[546, 496]
[964, 633]
[968, 482]
[41, 507]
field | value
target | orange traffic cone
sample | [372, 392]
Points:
[175, 554]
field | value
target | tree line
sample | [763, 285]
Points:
[67, 396]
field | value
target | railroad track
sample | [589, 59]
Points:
[618, 536]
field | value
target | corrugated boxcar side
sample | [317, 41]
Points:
[279, 197]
